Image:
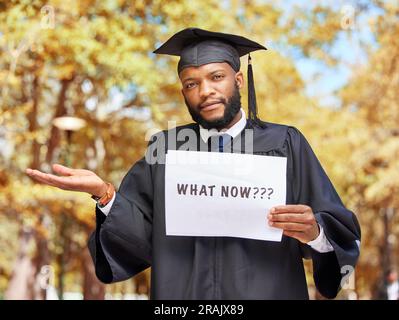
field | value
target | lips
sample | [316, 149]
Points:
[210, 105]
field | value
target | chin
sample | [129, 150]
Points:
[213, 119]
[213, 115]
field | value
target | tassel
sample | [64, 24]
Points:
[252, 107]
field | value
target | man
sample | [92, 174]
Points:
[130, 234]
[392, 285]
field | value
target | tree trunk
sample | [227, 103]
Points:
[32, 118]
[42, 262]
[55, 135]
[21, 284]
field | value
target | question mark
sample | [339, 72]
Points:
[257, 190]
[271, 191]
[263, 192]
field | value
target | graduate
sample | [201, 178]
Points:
[130, 234]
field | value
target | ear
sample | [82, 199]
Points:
[239, 78]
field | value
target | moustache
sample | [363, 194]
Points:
[208, 103]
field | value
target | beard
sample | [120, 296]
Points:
[231, 108]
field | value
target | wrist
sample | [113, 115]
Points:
[315, 233]
[101, 191]
[106, 195]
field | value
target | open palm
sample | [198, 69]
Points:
[70, 179]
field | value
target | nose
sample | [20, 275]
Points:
[206, 90]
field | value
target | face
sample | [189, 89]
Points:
[212, 94]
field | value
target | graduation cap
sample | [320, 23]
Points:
[197, 47]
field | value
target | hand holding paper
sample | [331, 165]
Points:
[297, 221]
[223, 194]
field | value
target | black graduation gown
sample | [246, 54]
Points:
[132, 237]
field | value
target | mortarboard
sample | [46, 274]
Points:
[197, 47]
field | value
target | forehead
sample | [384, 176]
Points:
[205, 69]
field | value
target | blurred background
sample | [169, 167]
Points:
[80, 86]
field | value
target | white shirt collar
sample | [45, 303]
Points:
[233, 131]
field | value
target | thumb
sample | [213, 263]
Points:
[60, 169]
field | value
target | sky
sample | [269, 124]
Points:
[350, 49]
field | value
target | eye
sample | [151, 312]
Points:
[189, 85]
[218, 76]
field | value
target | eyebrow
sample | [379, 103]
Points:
[210, 73]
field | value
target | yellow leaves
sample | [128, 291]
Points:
[173, 9]
[32, 200]
[374, 88]
[383, 173]
[373, 91]
[389, 150]
[65, 71]
[8, 247]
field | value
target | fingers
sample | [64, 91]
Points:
[296, 221]
[292, 213]
[289, 208]
[290, 226]
[35, 177]
[49, 179]
[296, 235]
[292, 217]
[66, 171]
[60, 169]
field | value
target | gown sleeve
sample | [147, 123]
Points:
[121, 244]
[311, 186]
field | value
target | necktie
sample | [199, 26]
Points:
[223, 140]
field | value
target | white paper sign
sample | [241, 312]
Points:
[223, 194]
